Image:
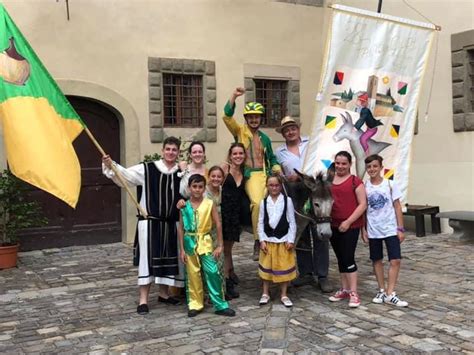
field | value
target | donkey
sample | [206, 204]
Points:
[318, 190]
[347, 131]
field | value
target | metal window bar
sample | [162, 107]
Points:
[273, 95]
[182, 100]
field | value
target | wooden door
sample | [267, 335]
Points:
[97, 217]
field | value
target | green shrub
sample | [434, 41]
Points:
[16, 212]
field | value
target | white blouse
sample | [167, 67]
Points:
[275, 211]
[135, 175]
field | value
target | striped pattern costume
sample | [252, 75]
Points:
[155, 250]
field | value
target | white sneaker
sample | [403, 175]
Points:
[394, 300]
[380, 297]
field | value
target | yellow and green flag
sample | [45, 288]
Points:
[39, 123]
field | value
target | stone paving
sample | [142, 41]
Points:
[83, 300]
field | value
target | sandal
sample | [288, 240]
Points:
[264, 300]
[286, 302]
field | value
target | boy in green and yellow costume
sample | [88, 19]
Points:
[260, 160]
[197, 252]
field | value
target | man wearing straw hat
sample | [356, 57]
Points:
[312, 254]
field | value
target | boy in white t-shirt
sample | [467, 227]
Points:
[384, 224]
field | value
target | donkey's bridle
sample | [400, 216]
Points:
[319, 220]
[316, 219]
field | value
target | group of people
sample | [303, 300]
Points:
[196, 214]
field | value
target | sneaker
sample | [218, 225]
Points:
[339, 296]
[394, 300]
[379, 297]
[354, 300]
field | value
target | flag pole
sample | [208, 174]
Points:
[379, 7]
[119, 176]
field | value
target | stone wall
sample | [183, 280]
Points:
[462, 62]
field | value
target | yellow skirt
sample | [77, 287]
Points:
[278, 264]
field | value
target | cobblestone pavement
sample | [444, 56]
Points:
[83, 300]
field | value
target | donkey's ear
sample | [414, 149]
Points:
[330, 176]
[299, 173]
[331, 172]
[344, 118]
[348, 117]
[308, 181]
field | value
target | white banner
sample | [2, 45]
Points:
[368, 97]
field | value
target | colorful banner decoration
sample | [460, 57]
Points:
[39, 123]
[370, 85]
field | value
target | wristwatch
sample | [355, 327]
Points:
[401, 229]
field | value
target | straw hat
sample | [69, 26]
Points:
[287, 121]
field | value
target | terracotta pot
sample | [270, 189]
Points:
[8, 256]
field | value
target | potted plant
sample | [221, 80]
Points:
[16, 213]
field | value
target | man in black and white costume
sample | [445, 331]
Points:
[155, 249]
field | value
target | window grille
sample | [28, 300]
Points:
[182, 100]
[273, 95]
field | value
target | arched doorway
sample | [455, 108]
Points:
[97, 217]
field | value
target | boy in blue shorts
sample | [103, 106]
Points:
[384, 224]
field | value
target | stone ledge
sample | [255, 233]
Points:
[461, 40]
[316, 3]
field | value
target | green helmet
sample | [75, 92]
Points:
[254, 108]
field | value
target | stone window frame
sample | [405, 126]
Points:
[274, 72]
[207, 69]
[462, 63]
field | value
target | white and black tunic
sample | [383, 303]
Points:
[156, 243]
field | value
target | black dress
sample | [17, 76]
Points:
[235, 208]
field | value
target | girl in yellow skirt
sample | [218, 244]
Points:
[277, 232]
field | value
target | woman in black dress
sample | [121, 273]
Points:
[233, 211]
